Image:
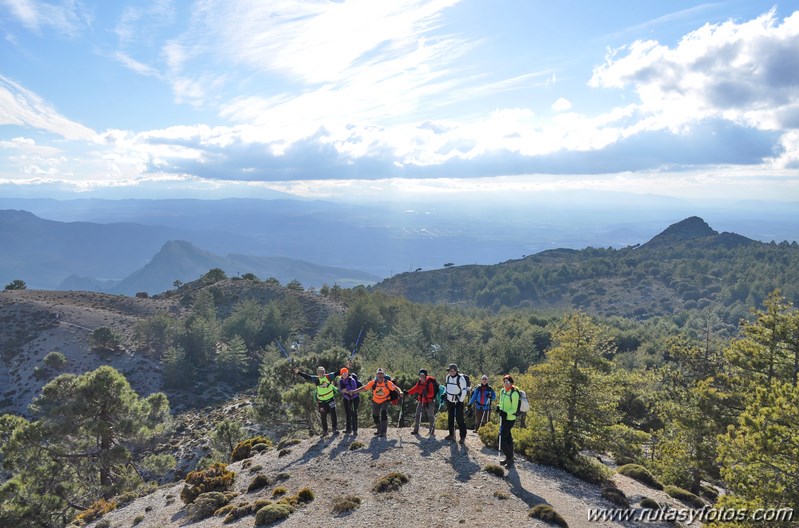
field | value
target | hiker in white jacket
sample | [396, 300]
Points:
[457, 392]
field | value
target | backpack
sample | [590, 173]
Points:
[468, 385]
[524, 403]
[358, 383]
[436, 387]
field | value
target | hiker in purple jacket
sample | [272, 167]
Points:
[347, 384]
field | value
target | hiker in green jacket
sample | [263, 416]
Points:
[508, 405]
[325, 396]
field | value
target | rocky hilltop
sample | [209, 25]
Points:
[447, 485]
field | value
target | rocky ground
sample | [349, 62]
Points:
[448, 485]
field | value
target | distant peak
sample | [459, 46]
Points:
[688, 229]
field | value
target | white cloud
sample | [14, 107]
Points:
[561, 105]
[68, 18]
[21, 107]
[746, 73]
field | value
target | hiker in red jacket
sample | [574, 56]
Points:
[426, 390]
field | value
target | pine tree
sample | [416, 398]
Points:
[77, 448]
[573, 389]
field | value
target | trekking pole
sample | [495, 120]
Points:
[401, 406]
[499, 440]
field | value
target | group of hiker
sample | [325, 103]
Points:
[456, 393]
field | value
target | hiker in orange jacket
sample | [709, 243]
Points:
[381, 398]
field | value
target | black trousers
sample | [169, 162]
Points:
[351, 412]
[328, 407]
[506, 438]
[455, 412]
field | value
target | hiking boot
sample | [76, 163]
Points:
[508, 462]
[431, 433]
[449, 437]
[377, 432]
[462, 440]
[347, 431]
[415, 432]
[335, 432]
[324, 433]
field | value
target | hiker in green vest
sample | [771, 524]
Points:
[508, 406]
[325, 396]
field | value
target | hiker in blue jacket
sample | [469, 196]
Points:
[481, 398]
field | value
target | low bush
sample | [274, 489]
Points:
[288, 443]
[489, 435]
[501, 495]
[283, 452]
[305, 495]
[205, 505]
[546, 513]
[684, 496]
[279, 491]
[272, 513]
[587, 469]
[260, 481]
[709, 492]
[345, 504]
[356, 445]
[96, 510]
[215, 478]
[648, 504]
[245, 448]
[641, 474]
[615, 496]
[494, 469]
[238, 512]
[391, 482]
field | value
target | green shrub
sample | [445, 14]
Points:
[283, 452]
[224, 510]
[245, 448]
[641, 474]
[288, 443]
[546, 513]
[356, 445]
[258, 482]
[649, 504]
[587, 469]
[55, 360]
[345, 504]
[684, 496]
[709, 492]
[215, 478]
[489, 435]
[616, 496]
[260, 503]
[239, 511]
[282, 476]
[391, 482]
[494, 469]
[279, 491]
[205, 505]
[272, 513]
[138, 519]
[501, 495]
[305, 495]
[96, 510]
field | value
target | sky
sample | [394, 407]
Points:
[367, 99]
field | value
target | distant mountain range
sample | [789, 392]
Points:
[687, 267]
[129, 258]
[180, 260]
